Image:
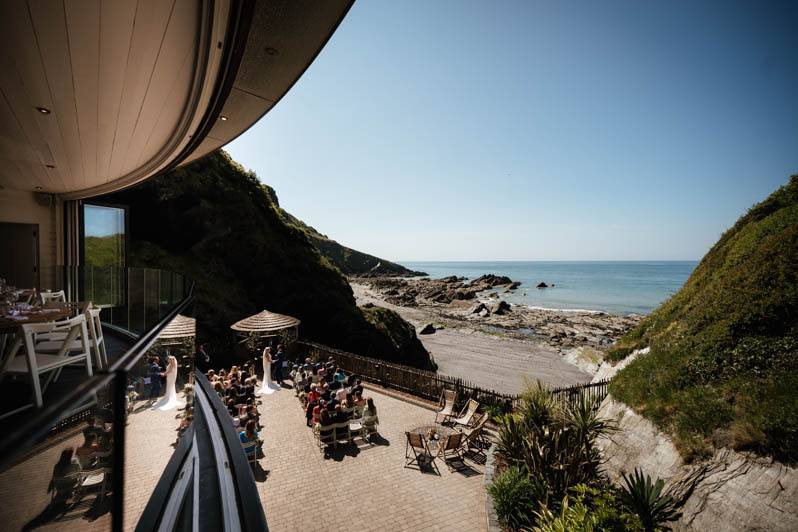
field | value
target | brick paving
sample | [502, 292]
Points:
[24, 498]
[363, 488]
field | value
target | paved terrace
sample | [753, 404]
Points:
[363, 487]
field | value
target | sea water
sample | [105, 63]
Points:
[619, 287]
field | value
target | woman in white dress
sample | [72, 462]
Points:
[170, 400]
[268, 387]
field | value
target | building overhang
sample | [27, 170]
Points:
[98, 96]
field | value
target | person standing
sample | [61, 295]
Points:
[154, 372]
[278, 372]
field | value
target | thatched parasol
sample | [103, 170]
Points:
[180, 327]
[267, 324]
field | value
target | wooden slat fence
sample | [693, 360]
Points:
[428, 384]
[421, 383]
[595, 390]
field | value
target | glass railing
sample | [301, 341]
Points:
[95, 450]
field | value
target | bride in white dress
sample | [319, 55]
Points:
[170, 400]
[268, 387]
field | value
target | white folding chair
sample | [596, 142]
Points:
[35, 363]
[49, 297]
[96, 339]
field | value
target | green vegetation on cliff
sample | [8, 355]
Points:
[215, 222]
[723, 366]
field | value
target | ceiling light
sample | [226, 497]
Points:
[223, 118]
[271, 51]
[38, 188]
[43, 110]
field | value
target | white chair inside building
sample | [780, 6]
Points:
[51, 297]
[53, 342]
[36, 363]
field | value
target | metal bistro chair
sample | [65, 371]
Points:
[35, 363]
[446, 403]
[420, 452]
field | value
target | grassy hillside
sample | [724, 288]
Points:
[105, 250]
[723, 367]
[215, 222]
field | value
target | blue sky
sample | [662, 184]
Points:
[536, 130]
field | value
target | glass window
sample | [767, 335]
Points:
[103, 254]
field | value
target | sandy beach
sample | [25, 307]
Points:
[488, 359]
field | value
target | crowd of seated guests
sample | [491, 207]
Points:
[236, 389]
[329, 396]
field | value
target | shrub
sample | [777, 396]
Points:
[589, 509]
[646, 499]
[515, 497]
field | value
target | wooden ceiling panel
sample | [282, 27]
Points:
[83, 32]
[144, 48]
[24, 86]
[116, 33]
[51, 35]
[171, 82]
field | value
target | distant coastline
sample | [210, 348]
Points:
[617, 287]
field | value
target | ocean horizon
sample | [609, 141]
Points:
[617, 287]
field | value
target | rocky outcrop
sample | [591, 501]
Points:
[731, 491]
[411, 292]
[427, 329]
[478, 304]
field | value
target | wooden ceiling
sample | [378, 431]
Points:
[98, 95]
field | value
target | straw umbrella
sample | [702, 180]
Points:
[266, 325]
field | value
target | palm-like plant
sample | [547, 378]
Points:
[646, 499]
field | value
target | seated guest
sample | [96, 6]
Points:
[211, 374]
[340, 376]
[248, 390]
[335, 385]
[340, 416]
[232, 408]
[358, 401]
[325, 419]
[219, 389]
[351, 380]
[309, 411]
[317, 411]
[249, 435]
[303, 398]
[308, 366]
[370, 410]
[341, 394]
[314, 393]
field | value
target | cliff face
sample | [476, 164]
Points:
[218, 224]
[723, 364]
